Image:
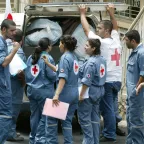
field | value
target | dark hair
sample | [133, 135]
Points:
[133, 35]
[95, 43]
[43, 44]
[107, 25]
[69, 42]
[18, 35]
[6, 23]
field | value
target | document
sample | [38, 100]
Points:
[59, 112]
[16, 64]
[86, 94]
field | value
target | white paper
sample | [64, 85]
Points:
[86, 94]
[16, 64]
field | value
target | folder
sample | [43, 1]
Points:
[16, 64]
[59, 112]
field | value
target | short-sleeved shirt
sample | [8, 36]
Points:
[68, 69]
[111, 51]
[93, 74]
[40, 75]
[135, 68]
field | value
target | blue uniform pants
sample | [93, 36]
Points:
[52, 125]
[107, 108]
[135, 117]
[89, 119]
[37, 99]
[37, 121]
[15, 112]
[5, 124]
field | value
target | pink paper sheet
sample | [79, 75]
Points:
[59, 112]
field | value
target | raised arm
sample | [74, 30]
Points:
[9, 58]
[110, 9]
[84, 22]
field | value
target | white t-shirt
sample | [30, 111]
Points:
[111, 51]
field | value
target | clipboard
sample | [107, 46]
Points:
[59, 112]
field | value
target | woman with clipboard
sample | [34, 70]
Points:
[67, 90]
[93, 75]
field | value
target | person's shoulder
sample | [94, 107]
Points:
[51, 59]
[141, 49]
[2, 43]
[114, 32]
[92, 35]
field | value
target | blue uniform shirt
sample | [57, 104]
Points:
[68, 69]
[135, 68]
[5, 86]
[93, 74]
[40, 75]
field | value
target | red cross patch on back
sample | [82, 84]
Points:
[35, 70]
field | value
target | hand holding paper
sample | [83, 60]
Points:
[16, 64]
[59, 111]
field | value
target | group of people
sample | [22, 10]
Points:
[100, 77]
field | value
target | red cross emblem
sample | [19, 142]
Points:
[35, 70]
[102, 70]
[116, 57]
[76, 67]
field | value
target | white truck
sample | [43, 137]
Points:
[66, 14]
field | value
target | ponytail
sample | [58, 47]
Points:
[44, 43]
[36, 55]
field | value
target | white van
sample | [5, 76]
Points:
[66, 14]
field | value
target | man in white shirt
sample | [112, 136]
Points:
[111, 51]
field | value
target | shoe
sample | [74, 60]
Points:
[104, 139]
[18, 138]
[101, 135]
[120, 132]
[18, 134]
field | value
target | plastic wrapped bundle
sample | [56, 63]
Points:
[81, 41]
[51, 30]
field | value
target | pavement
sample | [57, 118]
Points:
[77, 137]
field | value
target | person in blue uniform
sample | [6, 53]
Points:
[67, 90]
[8, 28]
[17, 86]
[134, 77]
[93, 76]
[40, 85]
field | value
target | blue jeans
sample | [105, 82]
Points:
[108, 108]
[118, 117]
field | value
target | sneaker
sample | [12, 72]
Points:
[120, 132]
[18, 138]
[18, 134]
[104, 139]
